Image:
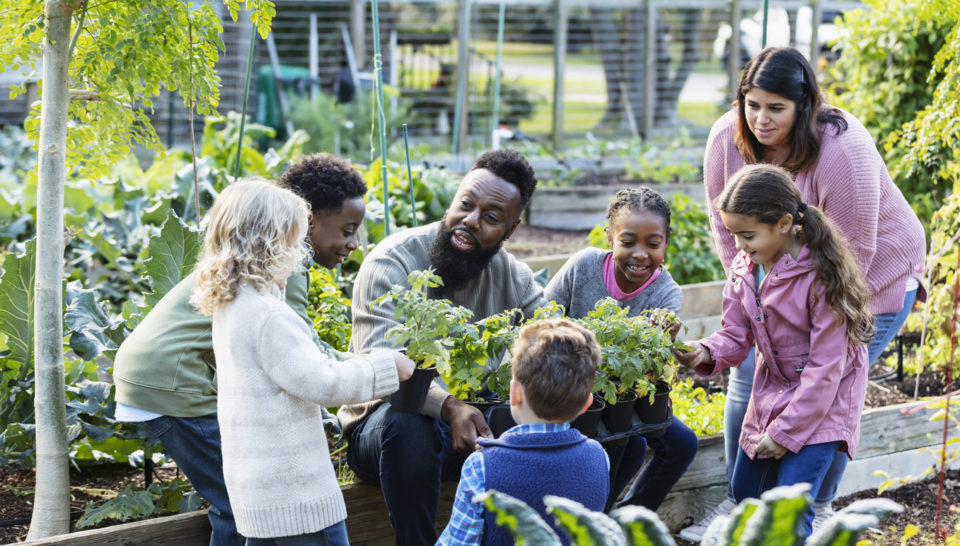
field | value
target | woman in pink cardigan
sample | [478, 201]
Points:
[795, 291]
[780, 118]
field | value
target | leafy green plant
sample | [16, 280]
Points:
[773, 519]
[636, 350]
[329, 308]
[700, 411]
[172, 496]
[893, 61]
[426, 327]
[690, 257]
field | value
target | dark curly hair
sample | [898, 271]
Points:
[324, 181]
[638, 199]
[512, 167]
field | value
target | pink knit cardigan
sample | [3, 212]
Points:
[850, 183]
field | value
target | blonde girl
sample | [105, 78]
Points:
[795, 291]
[272, 380]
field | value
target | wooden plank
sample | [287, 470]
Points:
[368, 522]
[859, 475]
[684, 508]
[191, 529]
[702, 299]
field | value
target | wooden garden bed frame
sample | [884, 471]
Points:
[892, 439]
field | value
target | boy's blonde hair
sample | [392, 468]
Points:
[556, 361]
[255, 235]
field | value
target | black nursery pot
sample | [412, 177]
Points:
[500, 419]
[656, 412]
[412, 393]
[588, 422]
[619, 417]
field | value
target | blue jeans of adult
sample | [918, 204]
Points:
[194, 443]
[752, 477]
[672, 454]
[740, 385]
[335, 535]
[407, 454]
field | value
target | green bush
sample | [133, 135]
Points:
[886, 75]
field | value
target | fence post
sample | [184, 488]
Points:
[461, 115]
[559, 61]
[650, 70]
[733, 67]
[816, 13]
[358, 37]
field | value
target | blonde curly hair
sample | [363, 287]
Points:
[255, 235]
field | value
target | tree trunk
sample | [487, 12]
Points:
[606, 39]
[670, 85]
[51, 509]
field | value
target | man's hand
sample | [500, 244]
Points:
[699, 355]
[769, 448]
[466, 424]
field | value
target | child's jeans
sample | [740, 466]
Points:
[752, 477]
[335, 535]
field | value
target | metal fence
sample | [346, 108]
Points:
[612, 68]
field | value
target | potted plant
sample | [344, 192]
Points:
[659, 367]
[427, 328]
[499, 333]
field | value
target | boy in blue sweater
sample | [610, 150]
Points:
[554, 364]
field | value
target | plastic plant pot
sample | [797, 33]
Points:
[656, 412]
[500, 419]
[588, 422]
[412, 393]
[619, 417]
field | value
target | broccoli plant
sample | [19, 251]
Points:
[773, 519]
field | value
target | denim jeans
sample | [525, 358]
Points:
[672, 454]
[740, 385]
[335, 535]
[194, 443]
[407, 454]
[752, 477]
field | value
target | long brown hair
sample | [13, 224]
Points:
[767, 193]
[785, 71]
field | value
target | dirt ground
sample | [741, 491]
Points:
[528, 242]
[920, 499]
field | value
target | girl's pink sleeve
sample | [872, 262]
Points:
[819, 381]
[731, 344]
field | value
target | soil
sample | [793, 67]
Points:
[919, 498]
[528, 242]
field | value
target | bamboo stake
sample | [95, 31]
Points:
[378, 68]
[413, 202]
[496, 80]
[246, 93]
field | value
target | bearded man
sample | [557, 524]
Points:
[408, 454]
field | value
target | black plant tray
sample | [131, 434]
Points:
[639, 427]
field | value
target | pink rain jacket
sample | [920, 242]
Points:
[811, 379]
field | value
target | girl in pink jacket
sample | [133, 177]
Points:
[795, 291]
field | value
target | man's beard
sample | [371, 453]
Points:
[455, 267]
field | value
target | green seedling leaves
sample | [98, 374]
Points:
[523, 522]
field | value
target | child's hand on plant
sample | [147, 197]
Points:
[770, 448]
[697, 355]
[405, 366]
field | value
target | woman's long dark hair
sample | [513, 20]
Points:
[767, 193]
[785, 72]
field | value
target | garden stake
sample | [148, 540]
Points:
[458, 109]
[413, 202]
[496, 80]
[246, 92]
[763, 37]
[942, 533]
[193, 140]
[378, 68]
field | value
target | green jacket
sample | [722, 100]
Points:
[166, 364]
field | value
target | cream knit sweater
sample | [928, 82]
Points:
[272, 382]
